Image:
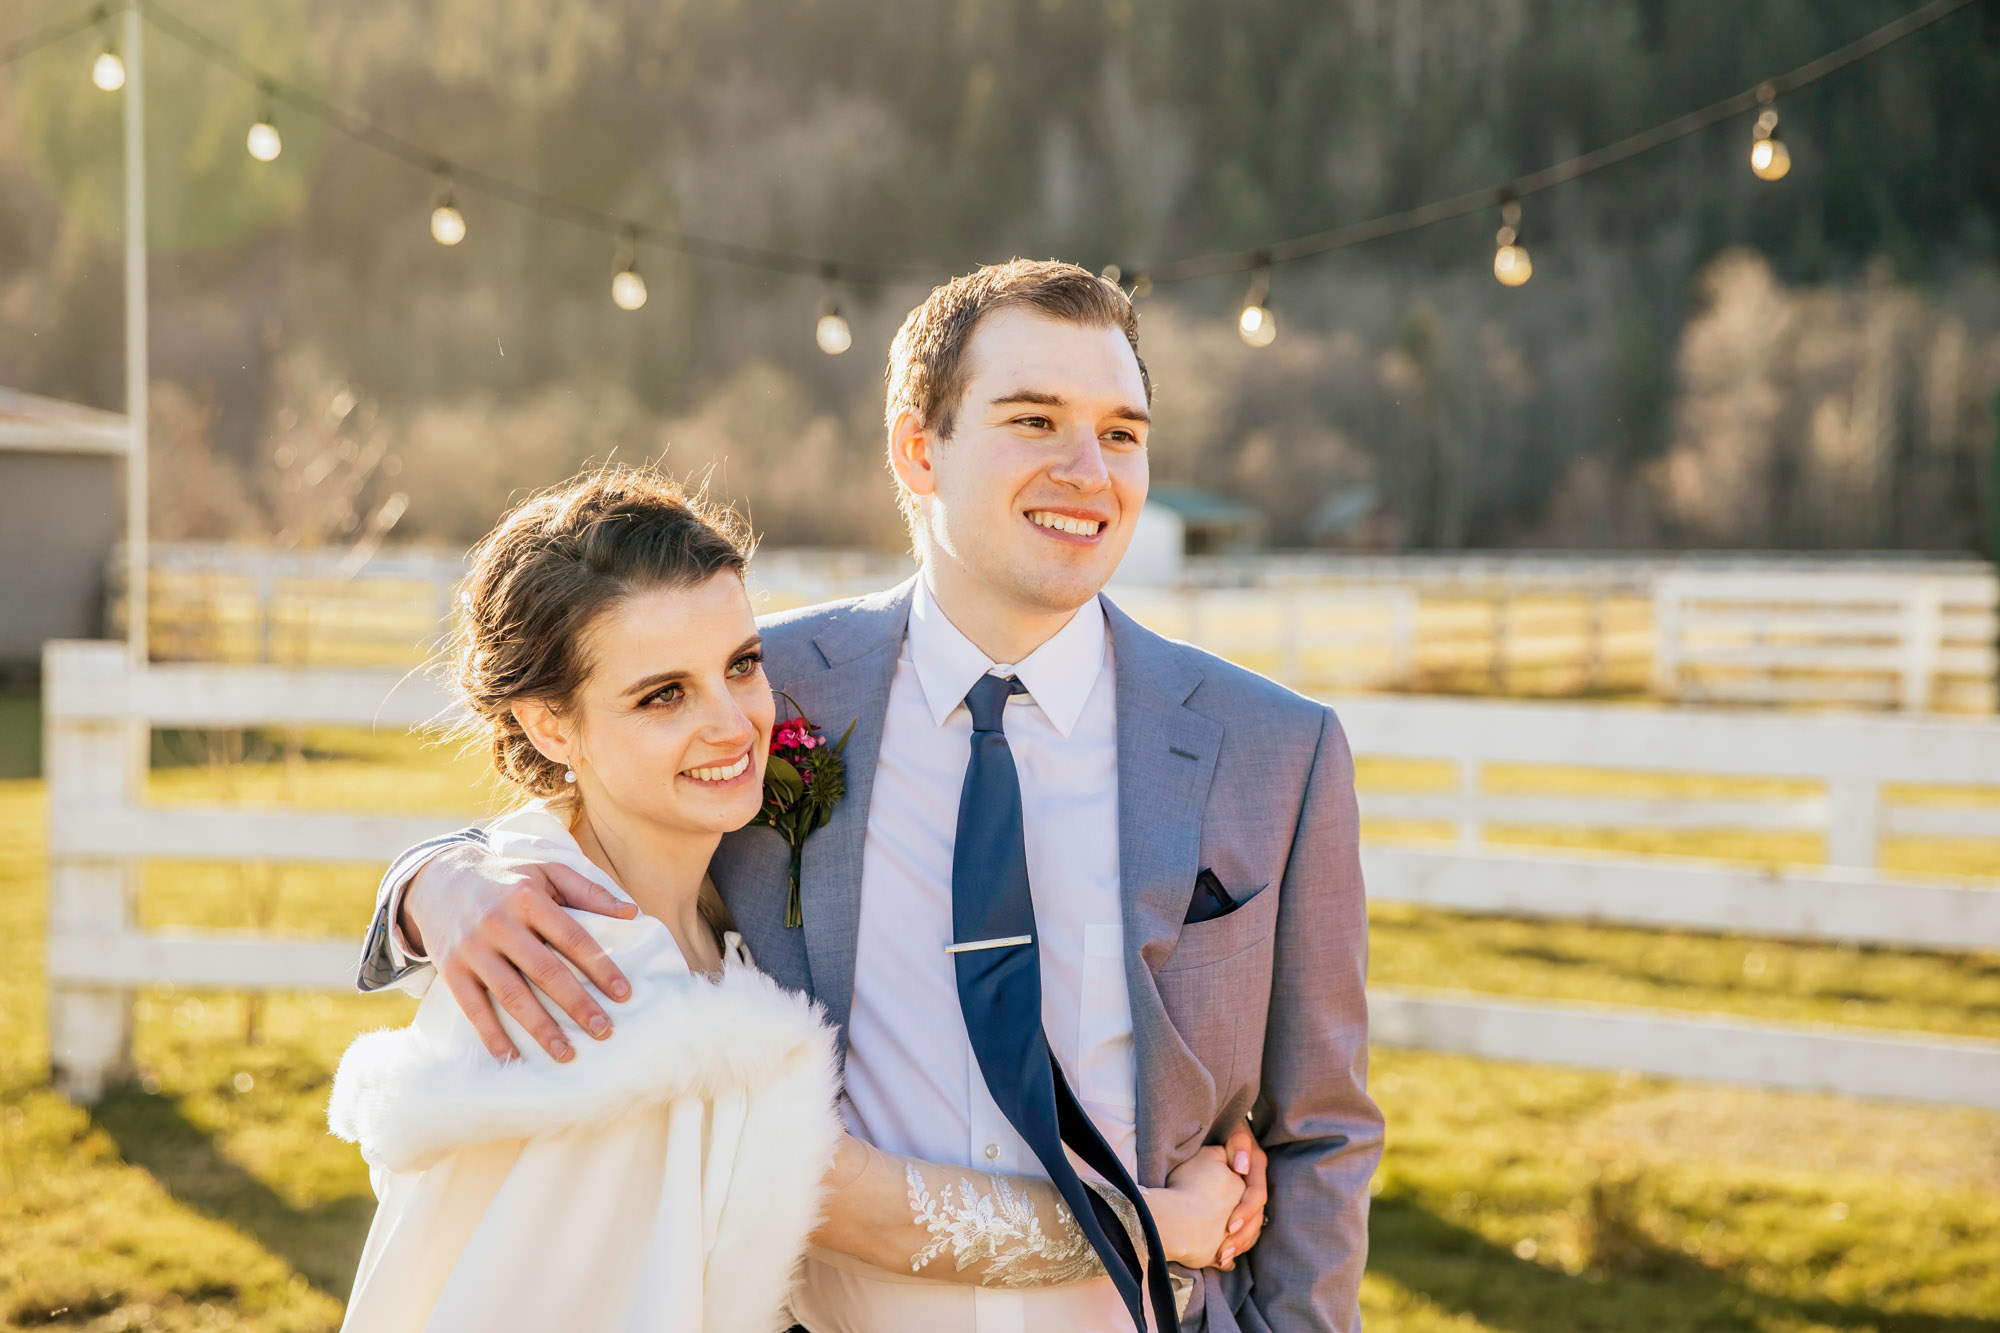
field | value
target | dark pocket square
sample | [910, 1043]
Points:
[1210, 900]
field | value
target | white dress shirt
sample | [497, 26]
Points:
[913, 1084]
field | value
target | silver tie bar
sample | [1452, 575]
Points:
[1007, 943]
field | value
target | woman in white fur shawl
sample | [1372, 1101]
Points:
[672, 1176]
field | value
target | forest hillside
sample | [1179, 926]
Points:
[1701, 358]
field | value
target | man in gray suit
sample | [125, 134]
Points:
[1197, 929]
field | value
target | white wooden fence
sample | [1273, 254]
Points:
[1859, 769]
[1916, 640]
[1912, 634]
[1307, 638]
[98, 707]
[97, 710]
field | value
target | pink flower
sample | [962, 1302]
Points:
[795, 734]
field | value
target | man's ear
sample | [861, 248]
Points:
[913, 453]
[546, 729]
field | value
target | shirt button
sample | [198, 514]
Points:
[992, 1151]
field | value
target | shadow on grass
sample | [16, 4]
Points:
[1652, 1290]
[322, 1243]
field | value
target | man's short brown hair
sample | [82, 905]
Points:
[927, 370]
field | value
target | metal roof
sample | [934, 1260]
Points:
[32, 423]
[1195, 505]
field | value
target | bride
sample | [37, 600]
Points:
[673, 1176]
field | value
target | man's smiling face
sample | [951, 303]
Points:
[1035, 493]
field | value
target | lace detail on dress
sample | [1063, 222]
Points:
[997, 1225]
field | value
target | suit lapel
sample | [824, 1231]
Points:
[860, 650]
[1166, 761]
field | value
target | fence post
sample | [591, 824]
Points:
[1403, 633]
[92, 762]
[1593, 637]
[1923, 634]
[1470, 783]
[266, 595]
[1292, 662]
[1666, 638]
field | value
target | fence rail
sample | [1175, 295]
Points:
[1917, 641]
[1909, 634]
[97, 714]
[1847, 779]
[1953, 1071]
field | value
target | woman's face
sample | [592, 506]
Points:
[673, 724]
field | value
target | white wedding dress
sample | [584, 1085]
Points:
[666, 1179]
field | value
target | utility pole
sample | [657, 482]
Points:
[136, 367]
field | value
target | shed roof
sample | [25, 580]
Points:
[1195, 505]
[32, 423]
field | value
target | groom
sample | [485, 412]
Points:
[1194, 949]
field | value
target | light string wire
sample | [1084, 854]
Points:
[1287, 251]
[49, 36]
[364, 130]
[1584, 164]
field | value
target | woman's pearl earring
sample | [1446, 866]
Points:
[569, 775]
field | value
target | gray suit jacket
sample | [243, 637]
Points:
[1260, 1011]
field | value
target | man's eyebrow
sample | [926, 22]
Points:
[1041, 396]
[1044, 398]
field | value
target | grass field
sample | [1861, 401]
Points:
[1517, 1198]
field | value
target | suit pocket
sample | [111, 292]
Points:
[1223, 937]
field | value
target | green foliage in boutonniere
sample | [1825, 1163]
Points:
[804, 779]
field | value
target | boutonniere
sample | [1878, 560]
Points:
[804, 779]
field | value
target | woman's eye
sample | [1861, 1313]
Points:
[667, 694]
[746, 664]
[1034, 423]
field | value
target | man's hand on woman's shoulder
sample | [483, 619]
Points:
[492, 925]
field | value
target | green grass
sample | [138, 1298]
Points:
[208, 1194]
[20, 736]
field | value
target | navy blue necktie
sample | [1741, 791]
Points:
[1000, 992]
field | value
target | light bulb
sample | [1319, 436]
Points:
[1257, 325]
[109, 71]
[447, 224]
[1770, 159]
[264, 142]
[1512, 266]
[832, 333]
[628, 289]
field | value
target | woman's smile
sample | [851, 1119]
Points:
[727, 774]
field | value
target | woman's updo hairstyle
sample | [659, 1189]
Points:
[553, 566]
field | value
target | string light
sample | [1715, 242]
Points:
[831, 332]
[1140, 287]
[108, 71]
[264, 141]
[1256, 325]
[1769, 158]
[1511, 264]
[447, 223]
[628, 289]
